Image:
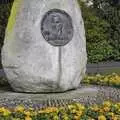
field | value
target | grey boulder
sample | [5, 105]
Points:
[32, 58]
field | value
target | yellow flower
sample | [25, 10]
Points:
[6, 112]
[111, 114]
[95, 108]
[116, 106]
[41, 111]
[19, 109]
[49, 110]
[34, 113]
[28, 118]
[107, 104]
[71, 107]
[106, 79]
[119, 110]
[101, 110]
[2, 109]
[73, 111]
[98, 75]
[27, 113]
[76, 117]
[65, 117]
[114, 118]
[106, 109]
[80, 107]
[55, 117]
[101, 117]
[79, 113]
[31, 109]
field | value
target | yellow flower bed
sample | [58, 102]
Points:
[110, 80]
[106, 111]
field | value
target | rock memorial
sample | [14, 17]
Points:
[45, 46]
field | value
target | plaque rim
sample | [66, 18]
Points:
[59, 11]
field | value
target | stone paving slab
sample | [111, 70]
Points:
[86, 94]
[73, 94]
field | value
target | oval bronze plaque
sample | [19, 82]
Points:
[56, 27]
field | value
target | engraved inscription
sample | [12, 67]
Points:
[56, 27]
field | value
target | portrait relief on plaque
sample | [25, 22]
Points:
[56, 27]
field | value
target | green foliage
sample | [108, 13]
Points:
[102, 23]
[113, 18]
[98, 48]
[4, 14]
[109, 10]
[106, 80]
[106, 111]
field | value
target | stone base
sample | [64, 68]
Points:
[86, 94]
[11, 99]
[73, 94]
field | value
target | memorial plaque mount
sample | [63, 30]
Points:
[44, 50]
[57, 27]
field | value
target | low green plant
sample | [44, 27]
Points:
[108, 80]
[75, 111]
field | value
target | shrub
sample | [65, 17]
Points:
[4, 14]
[109, 11]
[98, 48]
[108, 80]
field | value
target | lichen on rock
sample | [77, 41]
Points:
[12, 18]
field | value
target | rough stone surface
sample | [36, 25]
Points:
[11, 99]
[32, 64]
[85, 94]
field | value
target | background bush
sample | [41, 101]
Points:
[109, 10]
[4, 14]
[98, 48]
[102, 24]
